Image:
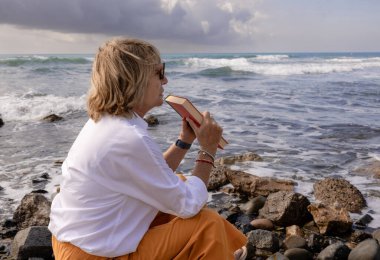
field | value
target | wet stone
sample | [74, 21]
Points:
[335, 251]
[298, 254]
[367, 250]
[295, 242]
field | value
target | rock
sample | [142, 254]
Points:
[330, 220]
[294, 242]
[1, 122]
[265, 242]
[331, 191]
[363, 221]
[151, 120]
[252, 185]
[262, 223]
[238, 158]
[33, 210]
[254, 205]
[335, 251]
[285, 208]
[316, 242]
[294, 230]
[367, 250]
[277, 256]
[376, 235]
[298, 254]
[218, 177]
[32, 242]
[372, 169]
[52, 118]
[358, 236]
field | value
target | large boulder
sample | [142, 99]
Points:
[252, 185]
[32, 243]
[331, 191]
[330, 220]
[52, 118]
[286, 208]
[367, 250]
[33, 210]
[371, 169]
[218, 177]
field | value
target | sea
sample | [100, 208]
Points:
[308, 115]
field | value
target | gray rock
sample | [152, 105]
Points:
[238, 158]
[277, 256]
[367, 250]
[33, 210]
[32, 242]
[316, 242]
[358, 236]
[286, 208]
[254, 205]
[295, 242]
[376, 235]
[265, 242]
[52, 118]
[298, 254]
[331, 191]
[262, 223]
[336, 251]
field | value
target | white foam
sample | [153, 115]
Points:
[33, 107]
[271, 57]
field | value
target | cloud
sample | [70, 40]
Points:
[198, 21]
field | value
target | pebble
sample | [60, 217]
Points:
[298, 254]
[277, 256]
[295, 242]
[253, 206]
[335, 251]
[262, 223]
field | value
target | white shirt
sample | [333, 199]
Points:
[115, 180]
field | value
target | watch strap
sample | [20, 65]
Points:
[181, 144]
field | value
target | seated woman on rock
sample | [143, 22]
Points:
[119, 197]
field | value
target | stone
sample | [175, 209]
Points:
[262, 223]
[331, 191]
[254, 205]
[1, 122]
[298, 254]
[295, 242]
[253, 186]
[238, 158]
[294, 230]
[358, 236]
[363, 221]
[218, 177]
[376, 235]
[277, 256]
[52, 118]
[367, 250]
[151, 120]
[316, 242]
[32, 242]
[265, 242]
[372, 169]
[330, 220]
[335, 251]
[286, 208]
[34, 210]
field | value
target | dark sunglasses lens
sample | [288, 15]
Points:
[162, 72]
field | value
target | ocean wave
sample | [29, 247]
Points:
[223, 72]
[34, 106]
[269, 57]
[37, 59]
[281, 66]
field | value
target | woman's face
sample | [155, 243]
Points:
[154, 93]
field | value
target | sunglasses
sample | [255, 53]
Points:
[161, 73]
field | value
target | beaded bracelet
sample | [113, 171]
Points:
[205, 161]
[207, 153]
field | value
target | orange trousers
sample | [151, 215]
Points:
[204, 236]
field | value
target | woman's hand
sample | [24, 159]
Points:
[208, 133]
[187, 134]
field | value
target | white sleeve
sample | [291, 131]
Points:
[136, 167]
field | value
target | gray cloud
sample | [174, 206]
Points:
[203, 22]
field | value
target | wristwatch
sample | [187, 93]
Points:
[179, 143]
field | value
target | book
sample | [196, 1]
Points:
[185, 109]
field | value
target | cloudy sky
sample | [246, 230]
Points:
[80, 26]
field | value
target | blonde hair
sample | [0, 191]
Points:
[120, 75]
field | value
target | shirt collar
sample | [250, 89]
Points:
[139, 121]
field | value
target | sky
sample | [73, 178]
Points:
[191, 26]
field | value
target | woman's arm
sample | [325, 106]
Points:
[174, 154]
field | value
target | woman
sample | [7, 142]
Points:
[119, 197]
